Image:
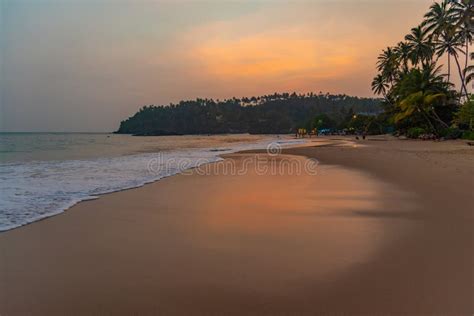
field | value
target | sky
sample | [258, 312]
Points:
[85, 65]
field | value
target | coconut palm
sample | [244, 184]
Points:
[438, 17]
[387, 64]
[419, 93]
[403, 51]
[380, 85]
[409, 78]
[466, 34]
[423, 103]
[449, 42]
[469, 71]
[420, 46]
[426, 78]
[463, 14]
[464, 18]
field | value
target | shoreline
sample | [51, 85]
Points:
[403, 274]
[34, 208]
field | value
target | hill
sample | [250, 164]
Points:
[268, 114]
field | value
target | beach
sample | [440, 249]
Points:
[380, 226]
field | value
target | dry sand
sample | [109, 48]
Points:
[384, 227]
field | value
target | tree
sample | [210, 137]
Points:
[420, 92]
[450, 42]
[465, 115]
[279, 113]
[323, 121]
[387, 64]
[421, 49]
[469, 72]
[423, 103]
[463, 14]
[403, 50]
[439, 16]
[380, 85]
[416, 94]
[437, 20]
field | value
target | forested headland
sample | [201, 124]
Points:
[269, 114]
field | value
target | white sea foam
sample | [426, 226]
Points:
[33, 190]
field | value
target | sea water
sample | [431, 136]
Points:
[43, 174]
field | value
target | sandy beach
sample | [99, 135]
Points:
[382, 227]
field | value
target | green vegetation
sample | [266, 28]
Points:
[269, 114]
[418, 99]
[465, 115]
[468, 135]
[415, 132]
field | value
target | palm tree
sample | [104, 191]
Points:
[463, 14]
[388, 64]
[437, 20]
[380, 85]
[409, 79]
[438, 17]
[466, 34]
[450, 42]
[469, 71]
[423, 103]
[419, 92]
[403, 50]
[420, 46]
[427, 78]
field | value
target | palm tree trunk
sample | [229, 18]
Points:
[449, 66]
[463, 83]
[467, 53]
[429, 121]
[466, 63]
[427, 118]
[437, 118]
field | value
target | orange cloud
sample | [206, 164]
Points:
[271, 54]
[284, 48]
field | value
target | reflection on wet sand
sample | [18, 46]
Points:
[288, 227]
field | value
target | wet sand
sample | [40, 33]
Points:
[382, 227]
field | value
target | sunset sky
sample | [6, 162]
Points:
[85, 65]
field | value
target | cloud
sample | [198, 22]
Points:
[271, 54]
[261, 50]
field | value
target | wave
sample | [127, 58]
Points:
[35, 190]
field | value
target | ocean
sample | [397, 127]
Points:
[43, 174]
